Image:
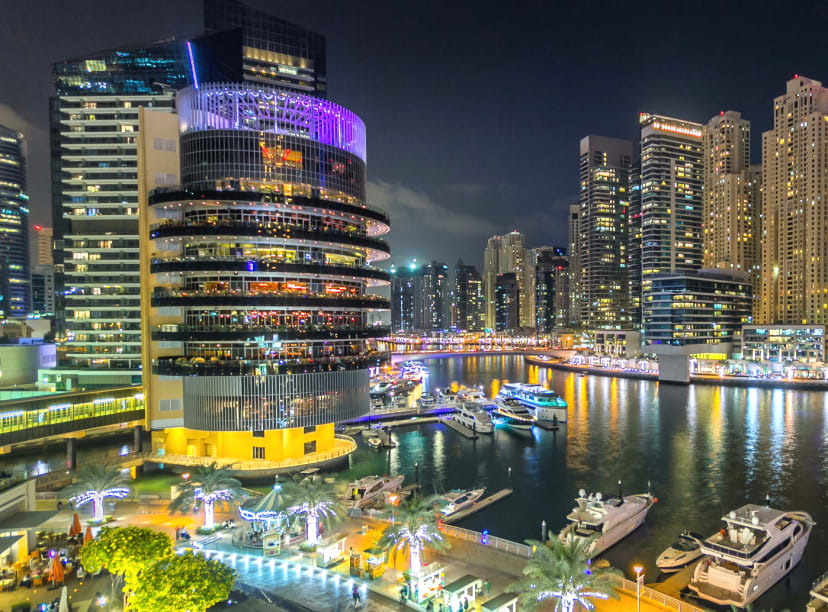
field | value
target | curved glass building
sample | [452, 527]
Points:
[259, 270]
[15, 282]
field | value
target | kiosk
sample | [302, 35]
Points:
[428, 583]
[272, 543]
[462, 589]
[331, 551]
[505, 602]
[374, 559]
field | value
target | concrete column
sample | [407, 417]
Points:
[138, 439]
[674, 368]
[71, 453]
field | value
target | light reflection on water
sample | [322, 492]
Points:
[706, 450]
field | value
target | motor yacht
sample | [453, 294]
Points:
[446, 397]
[545, 405]
[756, 547]
[374, 442]
[819, 595]
[608, 519]
[681, 553]
[366, 490]
[427, 400]
[513, 413]
[474, 417]
[470, 394]
[458, 499]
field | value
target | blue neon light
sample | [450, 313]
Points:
[192, 63]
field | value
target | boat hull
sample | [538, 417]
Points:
[548, 414]
[481, 428]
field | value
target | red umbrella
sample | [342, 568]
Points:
[56, 570]
[75, 529]
[87, 537]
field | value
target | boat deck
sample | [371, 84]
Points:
[478, 505]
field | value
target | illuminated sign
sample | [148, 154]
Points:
[279, 157]
[677, 129]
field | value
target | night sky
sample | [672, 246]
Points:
[474, 110]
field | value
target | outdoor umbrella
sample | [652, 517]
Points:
[75, 529]
[87, 537]
[56, 570]
[64, 600]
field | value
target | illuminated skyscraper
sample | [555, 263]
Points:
[605, 165]
[634, 247]
[431, 292]
[504, 254]
[574, 264]
[795, 207]
[15, 280]
[551, 288]
[468, 305]
[507, 301]
[403, 298]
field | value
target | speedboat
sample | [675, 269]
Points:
[608, 519]
[374, 442]
[474, 417]
[756, 547]
[365, 490]
[819, 595]
[545, 405]
[513, 414]
[458, 499]
[681, 553]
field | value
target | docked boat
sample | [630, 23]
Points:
[458, 499]
[608, 519]
[545, 405]
[472, 416]
[446, 397]
[819, 595]
[470, 394]
[367, 490]
[756, 548]
[513, 413]
[374, 442]
[427, 400]
[400, 401]
[681, 553]
[381, 387]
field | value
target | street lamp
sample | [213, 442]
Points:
[639, 576]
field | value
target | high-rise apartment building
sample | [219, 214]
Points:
[732, 197]
[43, 289]
[794, 286]
[551, 269]
[43, 243]
[15, 282]
[468, 305]
[605, 165]
[507, 301]
[505, 254]
[94, 120]
[403, 297]
[671, 195]
[574, 264]
[431, 303]
[634, 248]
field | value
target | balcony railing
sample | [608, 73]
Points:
[198, 366]
[183, 333]
[181, 297]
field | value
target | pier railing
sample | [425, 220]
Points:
[669, 602]
[484, 539]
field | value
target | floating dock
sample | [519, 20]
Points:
[461, 429]
[478, 505]
[547, 425]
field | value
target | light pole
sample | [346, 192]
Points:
[639, 576]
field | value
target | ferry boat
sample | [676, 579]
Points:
[474, 417]
[819, 595]
[545, 405]
[366, 490]
[513, 413]
[458, 499]
[610, 519]
[756, 548]
[681, 553]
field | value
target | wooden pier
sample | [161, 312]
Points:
[478, 505]
[461, 429]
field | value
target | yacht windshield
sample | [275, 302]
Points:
[685, 545]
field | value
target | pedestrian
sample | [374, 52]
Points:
[488, 586]
[177, 533]
[60, 505]
[357, 597]
[430, 606]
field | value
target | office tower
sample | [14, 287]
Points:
[671, 195]
[43, 289]
[431, 290]
[15, 287]
[43, 238]
[634, 247]
[255, 275]
[403, 301]
[574, 265]
[795, 207]
[468, 312]
[732, 197]
[94, 120]
[702, 307]
[507, 301]
[505, 254]
[605, 165]
[551, 269]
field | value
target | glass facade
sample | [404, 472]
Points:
[15, 283]
[468, 303]
[784, 343]
[551, 268]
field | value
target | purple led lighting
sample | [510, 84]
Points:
[232, 106]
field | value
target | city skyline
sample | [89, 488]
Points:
[474, 192]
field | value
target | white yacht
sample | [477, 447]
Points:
[458, 499]
[513, 413]
[819, 595]
[474, 417]
[374, 442]
[681, 553]
[446, 397]
[608, 519]
[470, 394]
[545, 405]
[427, 400]
[757, 547]
[366, 490]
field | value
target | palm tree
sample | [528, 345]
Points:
[563, 573]
[314, 499]
[95, 483]
[415, 527]
[209, 484]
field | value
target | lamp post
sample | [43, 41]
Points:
[639, 576]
